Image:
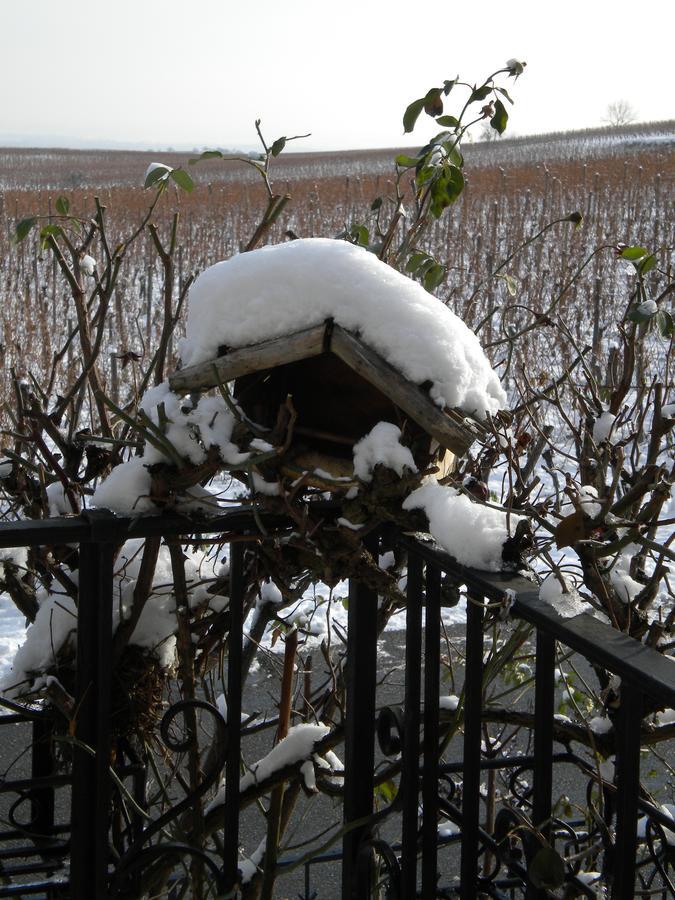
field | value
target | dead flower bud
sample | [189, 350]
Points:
[488, 111]
[128, 356]
[476, 488]
[516, 67]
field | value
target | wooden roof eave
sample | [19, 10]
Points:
[450, 428]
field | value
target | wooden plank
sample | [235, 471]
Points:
[408, 397]
[254, 358]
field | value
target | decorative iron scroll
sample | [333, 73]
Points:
[139, 856]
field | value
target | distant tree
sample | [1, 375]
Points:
[620, 112]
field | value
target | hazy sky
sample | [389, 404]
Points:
[200, 73]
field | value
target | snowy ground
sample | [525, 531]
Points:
[12, 632]
[320, 615]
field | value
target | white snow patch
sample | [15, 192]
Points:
[603, 427]
[270, 594]
[250, 864]
[387, 560]
[666, 717]
[308, 775]
[448, 829]
[567, 604]
[59, 504]
[449, 702]
[56, 620]
[600, 724]
[296, 746]
[626, 587]
[382, 446]
[269, 488]
[127, 489]
[191, 432]
[352, 526]
[12, 634]
[588, 498]
[281, 289]
[16, 555]
[474, 534]
[668, 809]
[88, 265]
[157, 165]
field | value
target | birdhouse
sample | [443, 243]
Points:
[340, 389]
[383, 352]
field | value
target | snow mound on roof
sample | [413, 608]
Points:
[281, 289]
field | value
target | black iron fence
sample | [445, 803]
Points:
[67, 849]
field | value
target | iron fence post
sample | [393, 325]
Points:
[544, 698]
[473, 701]
[432, 653]
[91, 754]
[361, 676]
[411, 729]
[628, 734]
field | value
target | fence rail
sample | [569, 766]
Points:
[42, 856]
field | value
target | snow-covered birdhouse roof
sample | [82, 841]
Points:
[350, 338]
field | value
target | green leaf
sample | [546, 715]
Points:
[278, 146]
[664, 322]
[433, 102]
[547, 870]
[504, 93]
[62, 206]
[411, 115]
[448, 86]
[511, 284]
[454, 156]
[23, 229]
[425, 174]
[455, 182]
[406, 162]
[376, 204]
[480, 93]
[647, 264]
[415, 261]
[448, 121]
[641, 313]
[159, 173]
[500, 118]
[360, 234]
[183, 180]
[433, 277]
[440, 199]
[387, 791]
[47, 231]
[634, 253]
[207, 154]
